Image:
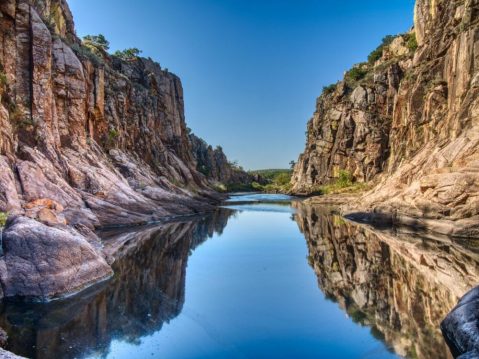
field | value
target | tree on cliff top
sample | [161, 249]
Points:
[128, 54]
[97, 41]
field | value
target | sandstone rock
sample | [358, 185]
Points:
[214, 164]
[85, 140]
[412, 132]
[47, 262]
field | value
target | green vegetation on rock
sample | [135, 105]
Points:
[279, 180]
[3, 219]
[96, 42]
[376, 54]
[343, 184]
[411, 41]
[128, 54]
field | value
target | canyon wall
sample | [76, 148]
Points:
[213, 163]
[408, 124]
[87, 140]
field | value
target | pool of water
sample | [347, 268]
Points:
[256, 280]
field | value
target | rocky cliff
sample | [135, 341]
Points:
[407, 122]
[213, 163]
[86, 140]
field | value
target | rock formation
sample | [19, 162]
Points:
[87, 140]
[408, 123]
[147, 291]
[399, 283]
[213, 163]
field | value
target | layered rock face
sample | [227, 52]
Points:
[401, 284]
[86, 140]
[411, 127]
[213, 163]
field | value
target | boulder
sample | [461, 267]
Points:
[461, 326]
[42, 262]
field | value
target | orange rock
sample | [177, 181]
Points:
[45, 202]
[48, 216]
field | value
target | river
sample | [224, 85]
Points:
[264, 276]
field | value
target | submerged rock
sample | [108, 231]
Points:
[42, 262]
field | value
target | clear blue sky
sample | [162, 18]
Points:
[251, 69]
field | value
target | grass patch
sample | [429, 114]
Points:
[328, 90]
[343, 184]
[411, 41]
[3, 219]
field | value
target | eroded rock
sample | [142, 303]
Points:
[409, 127]
[43, 262]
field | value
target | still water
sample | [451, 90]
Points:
[256, 280]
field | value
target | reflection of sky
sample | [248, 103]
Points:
[251, 294]
[257, 197]
[262, 207]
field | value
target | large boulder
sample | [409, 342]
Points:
[461, 326]
[42, 262]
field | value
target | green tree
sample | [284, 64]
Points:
[128, 54]
[97, 41]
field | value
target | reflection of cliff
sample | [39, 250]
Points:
[400, 284]
[148, 290]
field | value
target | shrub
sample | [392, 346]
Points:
[357, 73]
[376, 54]
[345, 179]
[86, 53]
[97, 41]
[3, 79]
[128, 54]
[113, 133]
[411, 41]
[327, 90]
[3, 219]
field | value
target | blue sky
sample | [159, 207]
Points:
[251, 70]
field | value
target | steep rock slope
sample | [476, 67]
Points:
[213, 163]
[413, 130]
[86, 140]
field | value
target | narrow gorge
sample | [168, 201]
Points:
[123, 234]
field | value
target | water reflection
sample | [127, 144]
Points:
[147, 291]
[401, 284]
[251, 292]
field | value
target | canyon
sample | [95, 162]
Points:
[105, 192]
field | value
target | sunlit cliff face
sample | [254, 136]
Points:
[401, 284]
